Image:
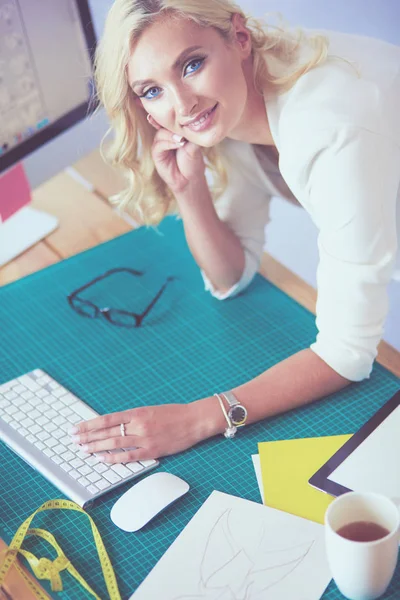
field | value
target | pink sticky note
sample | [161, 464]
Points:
[14, 191]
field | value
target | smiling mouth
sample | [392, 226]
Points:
[203, 122]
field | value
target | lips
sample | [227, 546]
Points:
[202, 116]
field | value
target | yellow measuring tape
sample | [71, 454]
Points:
[44, 568]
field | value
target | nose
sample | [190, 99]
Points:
[185, 101]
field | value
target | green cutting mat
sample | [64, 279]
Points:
[191, 346]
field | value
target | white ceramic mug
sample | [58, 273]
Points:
[362, 570]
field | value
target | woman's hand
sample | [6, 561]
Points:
[178, 162]
[150, 432]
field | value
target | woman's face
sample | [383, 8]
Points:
[190, 72]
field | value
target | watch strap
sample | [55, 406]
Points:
[231, 430]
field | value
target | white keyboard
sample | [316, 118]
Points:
[36, 413]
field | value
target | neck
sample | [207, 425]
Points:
[253, 126]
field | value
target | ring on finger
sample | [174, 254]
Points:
[122, 429]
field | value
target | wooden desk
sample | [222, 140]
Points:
[87, 219]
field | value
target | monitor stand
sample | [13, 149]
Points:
[22, 230]
[21, 226]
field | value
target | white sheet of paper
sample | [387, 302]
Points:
[374, 464]
[257, 468]
[234, 548]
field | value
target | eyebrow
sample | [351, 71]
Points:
[176, 64]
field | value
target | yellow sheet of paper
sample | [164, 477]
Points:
[286, 467]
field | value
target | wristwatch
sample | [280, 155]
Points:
[237, 412]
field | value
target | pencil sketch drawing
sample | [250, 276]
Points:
[241, 562]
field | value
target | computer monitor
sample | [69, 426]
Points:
[46, 86]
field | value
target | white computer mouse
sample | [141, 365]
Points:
[144, 500]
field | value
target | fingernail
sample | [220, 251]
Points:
[101, 458]
[75, 438]
[73, 430]
[177, 138]
[85, 448]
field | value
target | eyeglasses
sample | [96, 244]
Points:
[121, 318]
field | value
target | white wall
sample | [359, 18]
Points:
[291, 237]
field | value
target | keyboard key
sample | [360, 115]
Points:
[5, 387]
[69, 399]
[50, 427]
[100, 468]
[121, 470]
[66, 467]
[26, 395]
[58, 392]
[43, 435]
[15, 425]
[48, 452]
[148, 463]
[51, 442]
[10, 395]
[28, 382]
[59, 420]
[135, 467]
[19, 389]
[102, 484]
[92, 460]
[74, 418]
[57, 459]
[92, 489]
[34, 414]
[83, 411]
[7, 418]
[77, 462]
[67, 456]
[39, 445]
[35, 429]
[84, 481]
[75, 474]
[85, 470]
[93, 477]
[57, 405]
[111, 476]
[59, 449]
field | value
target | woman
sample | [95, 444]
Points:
[197, 84]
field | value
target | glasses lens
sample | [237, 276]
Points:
[119, 317]
[83, 308]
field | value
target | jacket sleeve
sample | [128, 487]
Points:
[353, 183]
[244, 206]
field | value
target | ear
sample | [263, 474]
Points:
[241, 35]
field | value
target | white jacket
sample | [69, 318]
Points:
[338, 137]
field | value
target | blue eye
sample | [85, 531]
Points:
[198, 61]
[145, 95]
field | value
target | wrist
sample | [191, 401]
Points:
[196, 192]
[208, 417]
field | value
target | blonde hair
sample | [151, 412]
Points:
[147, 196]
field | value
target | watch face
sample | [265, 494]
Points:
[238, 414]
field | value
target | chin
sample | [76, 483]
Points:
[210, 140]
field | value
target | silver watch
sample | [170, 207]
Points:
[237, 412]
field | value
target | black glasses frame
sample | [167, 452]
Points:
[107, 312]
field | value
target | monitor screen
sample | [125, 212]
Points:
[46, 85]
